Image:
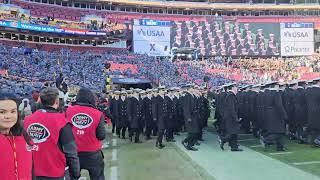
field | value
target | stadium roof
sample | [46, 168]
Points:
[212, 6]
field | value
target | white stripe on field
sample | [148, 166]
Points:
[114, 142]
[105, 145]
[114, 173]
[255, 146]
[280, 153]
[240, 140]
[82, 178]
[306, 163]
[114, 154]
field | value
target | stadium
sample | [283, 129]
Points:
[160, 89]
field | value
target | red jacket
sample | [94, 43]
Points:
[85, 121]
[44, 129]
[23, 160]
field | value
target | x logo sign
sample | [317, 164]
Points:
[152, 47]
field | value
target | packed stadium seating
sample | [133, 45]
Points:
[214, 35]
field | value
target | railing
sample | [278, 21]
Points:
[248, 8]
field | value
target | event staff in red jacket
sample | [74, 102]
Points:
[88, 127]
[16, 155]
[55, 152]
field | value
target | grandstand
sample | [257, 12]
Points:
[171, 43]
[215, 29]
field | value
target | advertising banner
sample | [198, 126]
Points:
[297, 48]
[297, 35]
[48, 29]
[151, 33]
[152, 37]
[152, 48]
[297, 39]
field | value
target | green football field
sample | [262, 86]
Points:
[301, 156]
[145, 162]
[127, 161]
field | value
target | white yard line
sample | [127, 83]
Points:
[114, 173]
[114, 155]
[105, 145]
[255, 146]
[306, 163]
[114, 142]
[280, 153]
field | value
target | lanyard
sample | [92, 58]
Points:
[14, 148]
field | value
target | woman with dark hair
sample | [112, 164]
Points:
[88, 126]
[15, 145]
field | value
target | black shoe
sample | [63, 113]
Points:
[292, 136]
[281, 149]
[221, 143]
[201, 139]
[314, 145]
[192, 148]
[130, 139]
[123, 137]
[236, 149]
[197, 143]
[178, 134]
[171, 140]
[160, 146]
[138, 142]
[184, 144]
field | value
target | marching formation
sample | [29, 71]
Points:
[270, 112]
[73, 131]
[160, 112]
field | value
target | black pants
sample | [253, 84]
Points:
[200, 137]
[148, 131]
[134, 132]
[121, 131]
[246, 125]
[154, 129]
[233, 141]
[160, 136]
[93, 162]
[113, 126]
[302, 134]
[191, 139]
[169, 134]
[277, 138]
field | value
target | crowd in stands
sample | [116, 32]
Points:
[26, 71]
[22, 72]
[96, 23]
[260, 70]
